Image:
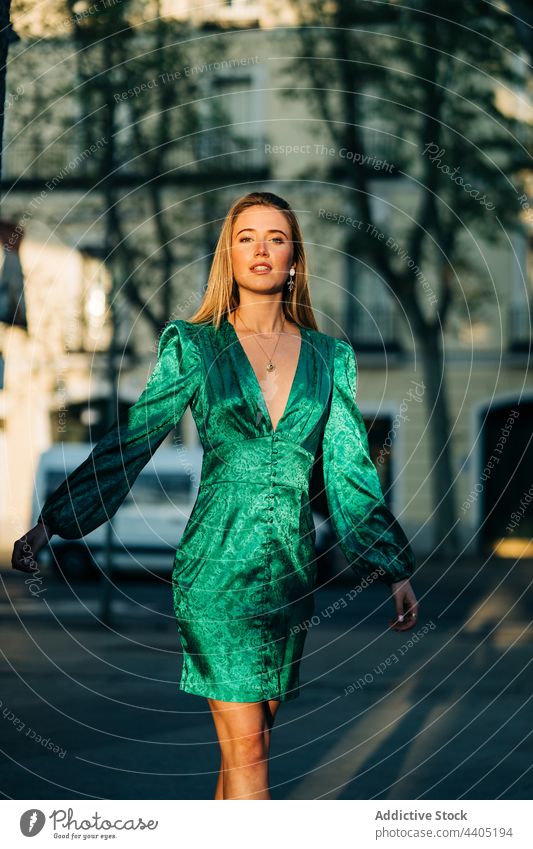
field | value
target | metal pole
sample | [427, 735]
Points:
[107, 566]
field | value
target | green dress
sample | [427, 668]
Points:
[245, 568]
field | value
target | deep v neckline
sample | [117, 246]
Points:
[255, 381]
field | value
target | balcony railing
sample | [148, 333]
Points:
[374, 329]
[65, 162]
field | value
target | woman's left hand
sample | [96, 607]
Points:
[406, 606]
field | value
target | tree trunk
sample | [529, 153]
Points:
[446, 537]
[5, 31]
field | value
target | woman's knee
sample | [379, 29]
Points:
[243, 731]
[245, 748]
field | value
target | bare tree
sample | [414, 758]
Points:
[430, 74]
[135, 92]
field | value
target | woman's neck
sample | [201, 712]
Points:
[265, 320]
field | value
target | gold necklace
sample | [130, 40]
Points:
[270, 365]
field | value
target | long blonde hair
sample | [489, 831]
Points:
[222, 293]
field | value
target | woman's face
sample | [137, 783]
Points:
[261, 236]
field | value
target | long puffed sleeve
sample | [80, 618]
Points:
[94, 491]
[367, 532]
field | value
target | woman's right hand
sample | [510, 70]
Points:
[27, 547]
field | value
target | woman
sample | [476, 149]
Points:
[266, 390]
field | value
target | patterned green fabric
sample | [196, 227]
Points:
[245, 570]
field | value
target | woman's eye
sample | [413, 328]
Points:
[275, 239]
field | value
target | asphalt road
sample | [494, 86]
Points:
[93, 711]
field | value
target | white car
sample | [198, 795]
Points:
[146, 528]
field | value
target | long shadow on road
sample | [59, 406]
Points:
[94, 711]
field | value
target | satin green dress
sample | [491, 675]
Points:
[245, 569]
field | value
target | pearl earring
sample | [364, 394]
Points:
[290, 282]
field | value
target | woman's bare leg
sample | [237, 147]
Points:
[243, 730]
[273, 705]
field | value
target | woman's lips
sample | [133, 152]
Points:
[260, 270]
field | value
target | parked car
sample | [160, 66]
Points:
[147, 526]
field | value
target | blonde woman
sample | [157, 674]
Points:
[267, 390]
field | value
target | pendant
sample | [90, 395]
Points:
[270, 366]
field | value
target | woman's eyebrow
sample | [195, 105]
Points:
[253, 229]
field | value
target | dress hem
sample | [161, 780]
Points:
[210, 694]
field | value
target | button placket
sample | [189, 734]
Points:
[265, 657]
